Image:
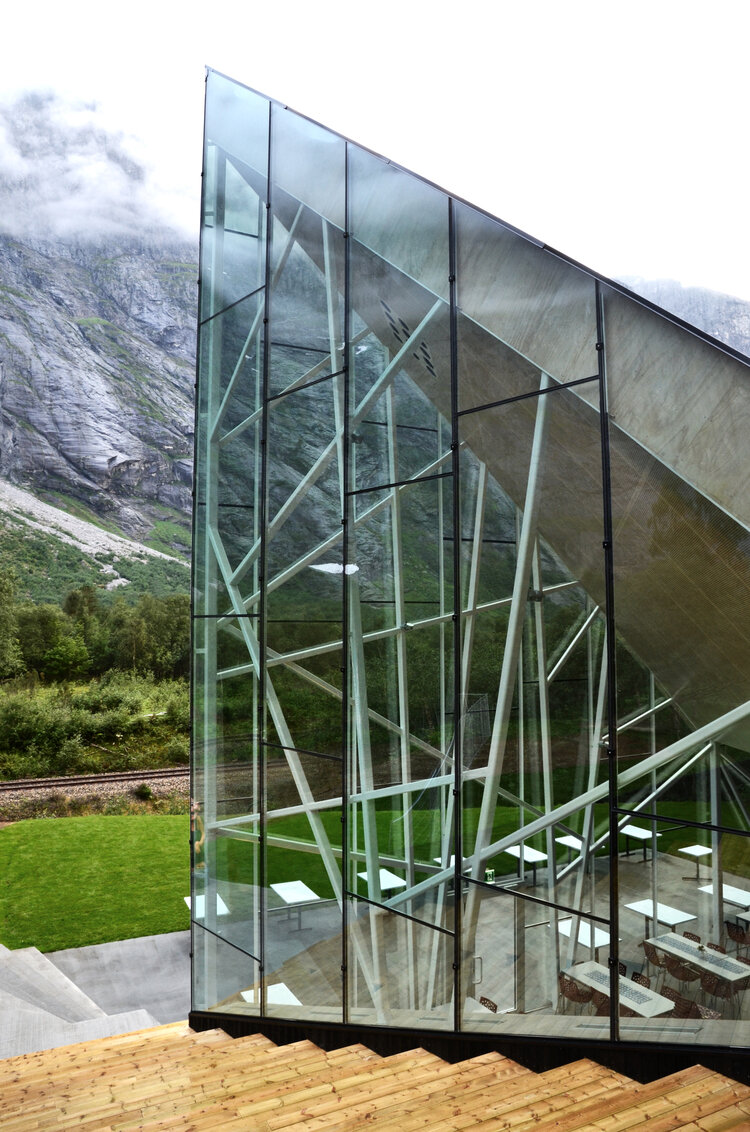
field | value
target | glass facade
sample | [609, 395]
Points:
[471, 619]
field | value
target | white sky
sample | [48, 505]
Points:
[616, 132]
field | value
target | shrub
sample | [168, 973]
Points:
[177, 751]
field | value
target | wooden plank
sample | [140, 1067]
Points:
[405, 1094]
[713, 1105]
[252, 1082]
[641, 1103]
[617, 1101]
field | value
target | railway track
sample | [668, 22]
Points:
[112, 778]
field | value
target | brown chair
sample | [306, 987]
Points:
[683, 1007]
[716, 947]
[674, 996]
[682, 972]
[562, 986]
[693, 936]
[718, 988]
[600, 1002]
[582, 995]
[738, 936]
[741, 985]
[698, 1011]
[654, 959]
[642, 979]
[572, 991]
[622, 969]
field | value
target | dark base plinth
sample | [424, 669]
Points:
[644, 1061]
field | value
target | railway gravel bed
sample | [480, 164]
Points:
[22, 795]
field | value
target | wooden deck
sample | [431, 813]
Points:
[171, 1078]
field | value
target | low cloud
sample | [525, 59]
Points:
[64, 176]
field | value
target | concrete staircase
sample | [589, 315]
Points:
[172, 1078]
[41, 1008]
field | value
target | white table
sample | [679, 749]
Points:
[200, 906]
[439, 861]
[388, 880]
[696, 851]
[638, 998]
[729, 893]
[601, 938]
[639, 834]
[295, 893]
[527, 855]
[278, 994]
[664, 914]
[570, 842]
[698, 955]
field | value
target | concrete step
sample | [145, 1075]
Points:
[26, 1032]
[30, 976]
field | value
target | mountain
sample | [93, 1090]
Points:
[53, 552]
[97, 347]
[722, 316]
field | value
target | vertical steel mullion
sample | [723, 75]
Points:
[261, 676]
[717, 904]
[456, 622]
[402, 677]
[201, 377]
[346, 731]
[546, 749]
[609, 617]
[209, 634]
[258, 699]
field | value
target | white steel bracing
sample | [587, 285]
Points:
[524, 649]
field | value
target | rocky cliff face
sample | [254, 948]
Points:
[96, 376]
[721, 316]
[97, 348]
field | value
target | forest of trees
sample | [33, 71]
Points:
[88, 686]
[82, 637]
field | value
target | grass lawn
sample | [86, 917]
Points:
[70, 882]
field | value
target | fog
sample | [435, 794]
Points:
[63, 175]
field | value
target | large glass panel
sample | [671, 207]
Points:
[525, 297]
[401, 219]
[682, 574]
[303, 844]
[303, 478]
[531, 969]
[535, 813]
[308, 164]
[681, 399]
[234, 190]
[401, 969]
[682, 924]
[306, 304]
[225, 978]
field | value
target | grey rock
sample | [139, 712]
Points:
[96, 376]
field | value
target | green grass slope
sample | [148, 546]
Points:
[78, 881]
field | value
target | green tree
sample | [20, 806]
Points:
[40, 628]
[11, 657]
[67, 660]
